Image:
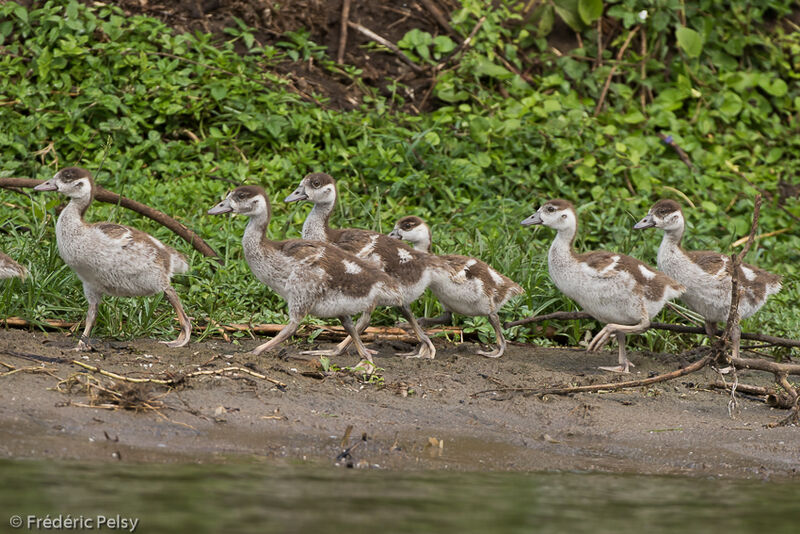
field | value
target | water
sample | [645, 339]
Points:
[258, 497]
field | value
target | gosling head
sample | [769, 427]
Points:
[73, 182]
[247, 200]
[317, 187]
[557, 214]
[414, 230]
[665, 214]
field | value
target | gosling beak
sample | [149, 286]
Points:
[533, 219]
[222, 207]
[395, 234]
[647, 222]
[297, 194]
[49, 185]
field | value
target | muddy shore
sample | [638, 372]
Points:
[421, 416]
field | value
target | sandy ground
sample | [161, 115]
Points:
[422, 416]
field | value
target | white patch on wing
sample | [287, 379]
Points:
[368, 248]
[405, 256]
[723, 273]
[350, 267]
[647, 273]
[748, 273]
[611, 266]
[496, 277]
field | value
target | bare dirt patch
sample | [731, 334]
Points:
[675, 427]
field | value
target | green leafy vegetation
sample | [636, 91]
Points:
[172, 120]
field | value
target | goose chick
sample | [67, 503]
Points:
[463, 285]
[707, 275]
[9, 268]
[111, 259]
[411, 269]
[312, 276]
[615, 289]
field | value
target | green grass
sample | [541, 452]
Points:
[102, 89]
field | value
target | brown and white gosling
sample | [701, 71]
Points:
[10, 269]
[706, 274]
[411, 269]
[312, 276]
[615, 289]
[111, 259]
[463, 285]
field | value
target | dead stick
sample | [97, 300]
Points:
[682, 329]
[696, 366]
[761, 364]
[732, 324]
[643, 51]
[742, 241]
[343, 31]
[388, 44]
[603, 93]
[104, 195]
[173, 381]
[238, 370]
[439, 16]
[773, 397]
[557, 316]
[669, 141]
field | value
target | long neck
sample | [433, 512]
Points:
[79, 204]
[424, 244]
[316, 225]
[256, 231]
[564, 241]
[670, 243]
[73, 212]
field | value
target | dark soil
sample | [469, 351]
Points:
[422, 415]
[271, 20]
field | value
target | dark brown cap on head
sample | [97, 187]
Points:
[409, 222]
[560, 203]
[319, 179]
[664, 207]
[68, 174]
[249, 191]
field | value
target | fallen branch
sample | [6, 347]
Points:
[772, 397]
[179, 377]
[437, 13]
[683, 329]
[343, 31]
[612, 386]
[372, 333]
[556, 316]
[104, 195]
[388, 44]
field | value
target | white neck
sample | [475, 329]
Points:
[317, 221]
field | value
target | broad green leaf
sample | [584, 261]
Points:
[568, 11]
[731, 105]
[487, 68]
[774, 87]
[690, 41]
[590, 10]
[545, 25]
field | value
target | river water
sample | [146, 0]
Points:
[253, 496]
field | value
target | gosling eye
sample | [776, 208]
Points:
[550, 209]
[315, 184]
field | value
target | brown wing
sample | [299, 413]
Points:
[712, 262]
